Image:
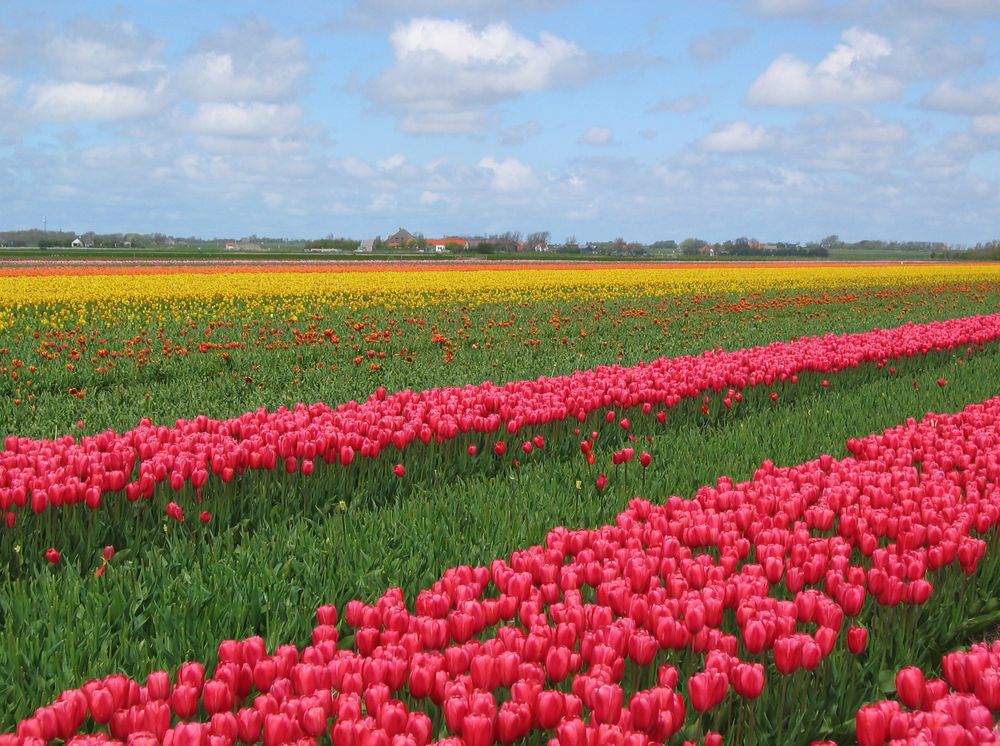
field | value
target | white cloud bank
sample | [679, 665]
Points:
[850, 73]
[446, 74]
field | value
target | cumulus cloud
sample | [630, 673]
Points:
[844, 141]
[91, 101]
[850, 73]
[254, 119]
[982, 98]
[597, 136]
[814, 10]
[509, 175]
[784, 7]
[718, 45]
[391, 163]
[427, 197]
[378, 12]
[8, 86]
[99, 71]
[680, 105]
[446, 74]
[357, 168]
[986, 124]
[247, 62]
[967, 7]
[93, 51]
[735, 137]
[520, 133]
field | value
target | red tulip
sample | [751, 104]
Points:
[53, 556]
[871, 726]
[184, 700]
[217, 696]
[910, 687]
[101, 705]
[549, 708]
[477, 730]
[158, 685]
[748, 680]
[857, 639]
[608, 701]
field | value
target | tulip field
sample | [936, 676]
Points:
[574, 505]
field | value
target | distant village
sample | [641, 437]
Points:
[404, 241]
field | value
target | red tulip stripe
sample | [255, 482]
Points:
[67, 471]
[957, 709]
[616, 634]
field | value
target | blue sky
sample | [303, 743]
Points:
[777, 119]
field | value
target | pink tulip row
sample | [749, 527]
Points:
[954, 711]
[616, 635]
[65, 471]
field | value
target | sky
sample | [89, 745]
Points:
[782, 120]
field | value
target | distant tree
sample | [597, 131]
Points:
[539, 238]
[691, 246]
[341, 244]
[832, 240]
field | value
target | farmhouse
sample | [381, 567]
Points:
[402, 237]
[447, 243]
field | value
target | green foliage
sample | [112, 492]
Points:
[278, 545]
[341, 244]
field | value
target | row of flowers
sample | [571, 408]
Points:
[956, 709]
[37, 474]
[633, 633]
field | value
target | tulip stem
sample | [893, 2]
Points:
[779, 722]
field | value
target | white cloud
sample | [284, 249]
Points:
[784, 7]
[379, 12]
[391, 163]
[92, 51]
[967, 7]
[520, 133]
[845, 141]
[983, 98]
[357, 168]
[850, 73]
[382, 202]
[428, 197]
[681, 105]
[813, 10]
[986, 124]
[509, 175]
[718, 45]
[89, 101]
[597, 136]
[735, 137]
[8, 86]
[249, 62]
[447, 74]
[253, 119]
